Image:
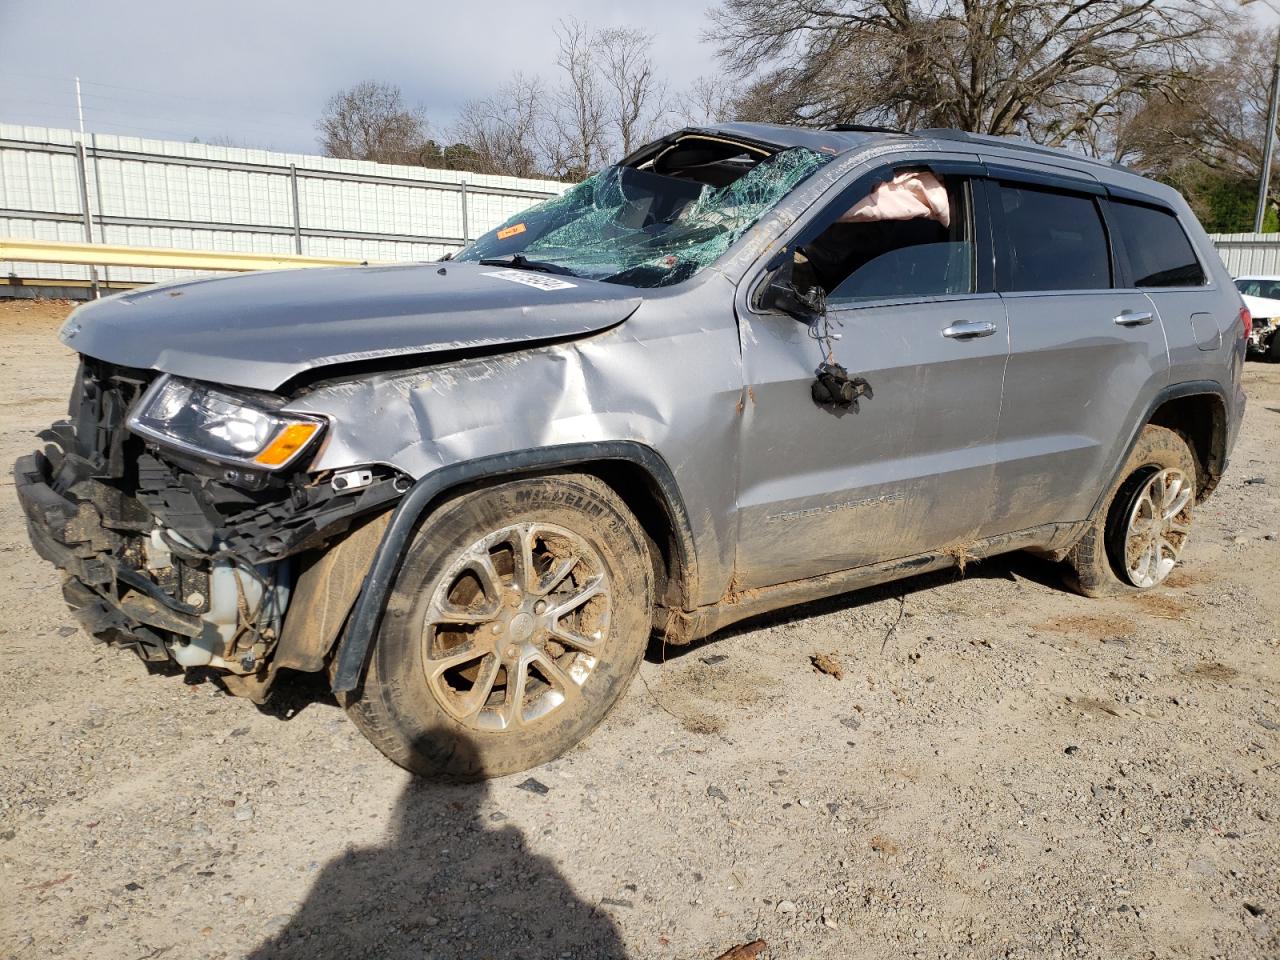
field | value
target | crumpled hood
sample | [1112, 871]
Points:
[259, 330]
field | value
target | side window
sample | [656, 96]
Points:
[1051, 241]
[1253, 287]
[1160, 255]
[910, 236]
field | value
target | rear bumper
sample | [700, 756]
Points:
[114, 601]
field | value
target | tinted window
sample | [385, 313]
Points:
[1160, 255]
[893, 258]
[1051, 241]
[1260, 288]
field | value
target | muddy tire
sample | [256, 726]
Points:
[518, 618]
[1142, 526]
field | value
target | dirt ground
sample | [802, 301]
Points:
[1005, 770]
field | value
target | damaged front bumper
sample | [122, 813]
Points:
[133, 590]
[185, 562]
[1264, 329]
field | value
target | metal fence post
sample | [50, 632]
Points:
[297, 216]
[97, 195]
[82, 168]
[466, 230]
[82, 172]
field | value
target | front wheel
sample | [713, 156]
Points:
[518, 619]
[1142, 527]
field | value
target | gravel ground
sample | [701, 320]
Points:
[1005, 770]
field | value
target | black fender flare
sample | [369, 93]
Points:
[366, 615]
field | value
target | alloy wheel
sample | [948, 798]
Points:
[1157, 526]
[516, 626]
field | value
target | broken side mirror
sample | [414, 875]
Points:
[833, 387]
[783, 294]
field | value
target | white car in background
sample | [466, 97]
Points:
[1262, 297]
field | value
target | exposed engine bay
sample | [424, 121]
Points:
[173, 556]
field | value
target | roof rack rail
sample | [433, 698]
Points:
[1015, 143]
[860, 128]
[1009, 142]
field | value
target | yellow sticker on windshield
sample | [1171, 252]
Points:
[511, 231]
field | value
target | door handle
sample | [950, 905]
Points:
[1129, 318]
[969, 330]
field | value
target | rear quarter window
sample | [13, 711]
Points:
[1051, 240]
[1160, 255]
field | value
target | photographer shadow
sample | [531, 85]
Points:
[450, 882]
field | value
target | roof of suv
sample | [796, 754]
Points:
[844, 137]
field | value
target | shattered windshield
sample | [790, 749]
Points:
[639, 227]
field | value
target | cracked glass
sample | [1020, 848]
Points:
[644, 229]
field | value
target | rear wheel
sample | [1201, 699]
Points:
[1143, 526]
[518, 619]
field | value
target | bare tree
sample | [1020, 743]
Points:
[1205, 134]
[218, 140]
[577, 130]
[709, 99]
[502, 133]
[1215, 115]
[1053, 72]
[371, 121]
[636, 98]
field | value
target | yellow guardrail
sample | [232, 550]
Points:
[105, 255]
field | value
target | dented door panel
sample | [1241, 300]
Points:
[910, 471]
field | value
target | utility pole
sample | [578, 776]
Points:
[83, 164]
[79, 108]
[1268, 149]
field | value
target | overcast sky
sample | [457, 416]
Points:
[259, 72]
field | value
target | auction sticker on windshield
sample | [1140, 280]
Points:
[539, 280]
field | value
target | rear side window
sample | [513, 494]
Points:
[1051, 241]
[1160, 255]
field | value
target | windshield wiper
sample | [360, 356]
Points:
[519, 261]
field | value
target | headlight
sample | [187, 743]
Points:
[213, 423]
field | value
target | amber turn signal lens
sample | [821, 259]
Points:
[292, 439]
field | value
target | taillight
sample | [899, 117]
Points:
[1246, 320]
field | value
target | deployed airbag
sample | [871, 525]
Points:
[908, 196]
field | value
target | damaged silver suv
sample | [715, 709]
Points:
[746, 367]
